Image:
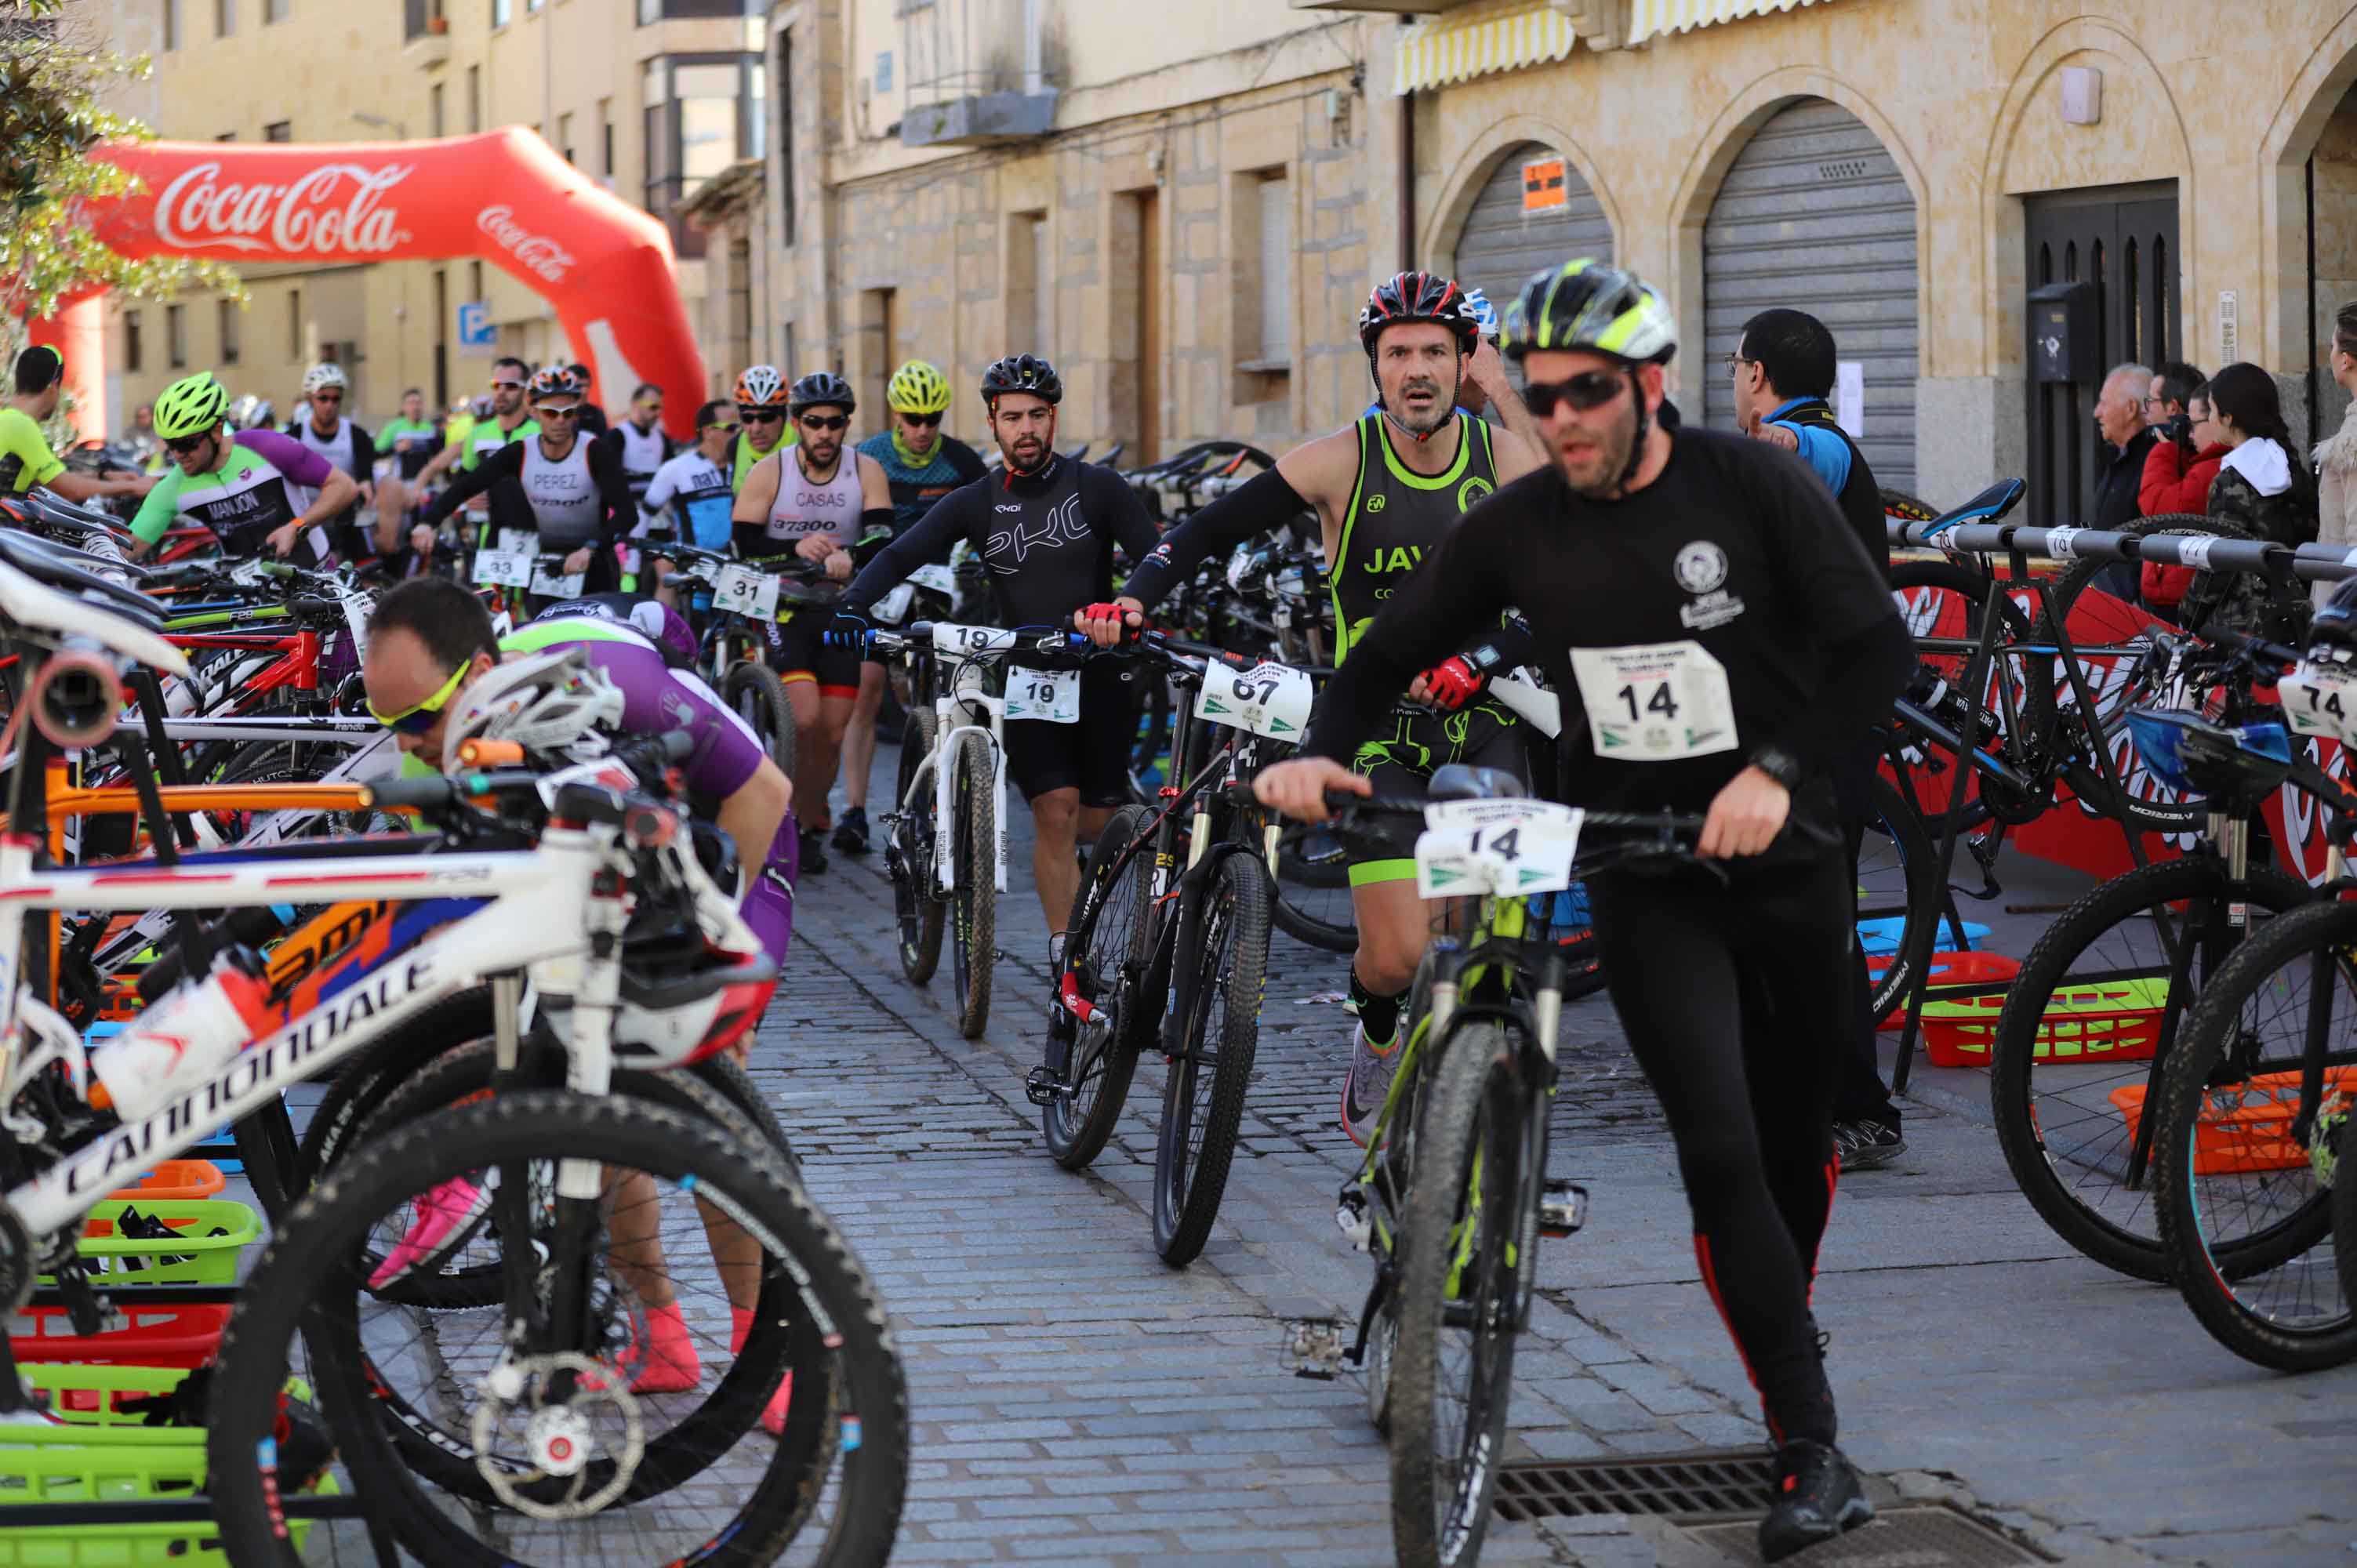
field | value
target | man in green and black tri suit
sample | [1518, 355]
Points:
[1387, 490]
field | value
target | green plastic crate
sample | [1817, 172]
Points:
[193, 1257]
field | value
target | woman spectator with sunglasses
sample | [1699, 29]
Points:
[578, 495]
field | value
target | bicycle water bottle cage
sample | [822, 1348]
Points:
[1989, 506]
[1459, 782]
[2227, 764]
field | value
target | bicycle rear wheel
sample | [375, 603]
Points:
[1899, 891]
[1105, 960]
[917, 910]
[1313, 889]
[1203, 1095]
[759, 697]
[2246, 1150]
[589, 1472]
[974, 904]
[1459, 1294]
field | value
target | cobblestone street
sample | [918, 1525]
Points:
[1078, 1401]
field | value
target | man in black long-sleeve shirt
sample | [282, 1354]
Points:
[1728, 639]
[577, 496]
[1046, 528]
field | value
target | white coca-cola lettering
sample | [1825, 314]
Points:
[536, 252]
[195, 210]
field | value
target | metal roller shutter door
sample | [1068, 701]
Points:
[1500, 245]
[1814, 215]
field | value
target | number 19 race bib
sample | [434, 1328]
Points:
[1050, 695]
[1656, 701]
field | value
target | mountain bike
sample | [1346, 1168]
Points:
[1169, 942]
[733, 602]
[1452, 1195]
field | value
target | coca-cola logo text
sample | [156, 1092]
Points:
[537, 251]
[329, 211]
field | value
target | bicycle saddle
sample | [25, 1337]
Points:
[73, 572]
[56, 509]
[1459, 782]
[1989, 506]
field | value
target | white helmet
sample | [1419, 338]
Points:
[553, 703]
[323, 375]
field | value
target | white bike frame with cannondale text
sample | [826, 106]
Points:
[541, 915]
[968, 708]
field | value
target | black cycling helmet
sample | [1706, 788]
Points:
[1022, 373]
[1419, 297]
[2332, 630]
[821, 387]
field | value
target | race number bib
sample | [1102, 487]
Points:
[2321, 701]
[949, 639]
[1657, 701]
[740, 590]
[1268, 699]
[519, 541]
[937, 577]
[550, 586]
[1050, 695]
[504, 568]
[1504, 847]
[893, 608]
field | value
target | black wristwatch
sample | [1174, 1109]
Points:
[1781, 765]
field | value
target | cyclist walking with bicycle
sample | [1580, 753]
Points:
[1046, 528]
[1728, 640]
[578, 498]
[1388, 490]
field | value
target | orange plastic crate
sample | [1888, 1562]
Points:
[2246, 1128]
[2113, 1021]
[177, 1178]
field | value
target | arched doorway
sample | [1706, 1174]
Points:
[1814, 215]
[1507, 235]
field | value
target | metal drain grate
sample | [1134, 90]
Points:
[1717, 1484]
[1898, 1537]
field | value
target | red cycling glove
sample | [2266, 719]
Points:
[1114, 612]
[1454, 683]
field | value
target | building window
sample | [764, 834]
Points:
[433, 109]
[224, 17]
[653, 11]
[1277, 269]
[564, 136]
[133, 352]
[171, 24]
[1030, 271]
[530, 6]
[502, 12]
[420, 17]
[229, 344]
[606, 138]
[786, 130]
[294, 324]
[175, 335]
[474, 98]
[701, 114]
[278, 131]
[226, 136]
[274, 11]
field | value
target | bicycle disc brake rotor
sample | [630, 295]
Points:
[518, 1412]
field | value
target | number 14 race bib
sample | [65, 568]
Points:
[1656, 701]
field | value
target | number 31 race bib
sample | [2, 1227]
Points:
[1656, 701]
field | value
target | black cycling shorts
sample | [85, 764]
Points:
[798, 652]
[1092, 755]
[1402, 758]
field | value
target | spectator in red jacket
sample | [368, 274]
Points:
[2178, 470]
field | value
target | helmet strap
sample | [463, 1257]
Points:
[1644, 428]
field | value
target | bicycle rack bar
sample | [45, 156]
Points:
[196, 1510]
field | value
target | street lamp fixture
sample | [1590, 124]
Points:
[400, 131]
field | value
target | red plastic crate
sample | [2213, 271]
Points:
[2109, 1021]
[2248, 1128]
[1949, 969]
[182, 1336]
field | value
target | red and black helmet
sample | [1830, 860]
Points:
[1419, 297]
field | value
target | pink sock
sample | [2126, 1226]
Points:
[667, 1363]
[740, 1326]
[774, 1414]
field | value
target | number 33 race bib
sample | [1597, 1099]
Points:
[1656, 701]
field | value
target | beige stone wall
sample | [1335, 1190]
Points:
[1965, 95]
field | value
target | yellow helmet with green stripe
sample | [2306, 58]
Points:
[1595, 305]
[918, 388]
[190, 406]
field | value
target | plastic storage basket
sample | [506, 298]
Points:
[177, 1179]
[2112, 1021]
[2248, 1128]
[155, 1336]
[195, 1254]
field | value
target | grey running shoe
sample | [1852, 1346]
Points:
[851, 833]
[1817, 1497]
[1369, 1082]
[1864, 1145]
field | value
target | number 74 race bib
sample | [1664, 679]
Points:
[1655, 702]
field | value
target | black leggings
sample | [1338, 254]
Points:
[1737, 1003]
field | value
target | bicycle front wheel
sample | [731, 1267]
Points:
[973, 906]
[2250, 1106]
[1105, 960]
[1459, 1294]
[1203, 1095]
[754, 691]
[1313, 888]
[915, 909]
[581, 1460]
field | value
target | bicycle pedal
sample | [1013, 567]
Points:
[1043, 1086]
[1358, 1227]
[1562, 1208]
[1315, 1348]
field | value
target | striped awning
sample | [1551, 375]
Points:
[1649, 18]
[1461, 47]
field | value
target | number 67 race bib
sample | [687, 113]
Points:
[1656, 701]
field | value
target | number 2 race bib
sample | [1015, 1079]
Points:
[1656, 701]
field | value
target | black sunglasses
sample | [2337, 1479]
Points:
[184, 445]
[1588, 390]
[929, 421]
[825, 421]
[759, 415]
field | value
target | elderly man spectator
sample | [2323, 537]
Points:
[2119, 415]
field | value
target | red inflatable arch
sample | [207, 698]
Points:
[504, 196]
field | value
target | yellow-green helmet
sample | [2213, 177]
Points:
[190, 406]
[918, 388]
[1591, 305]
